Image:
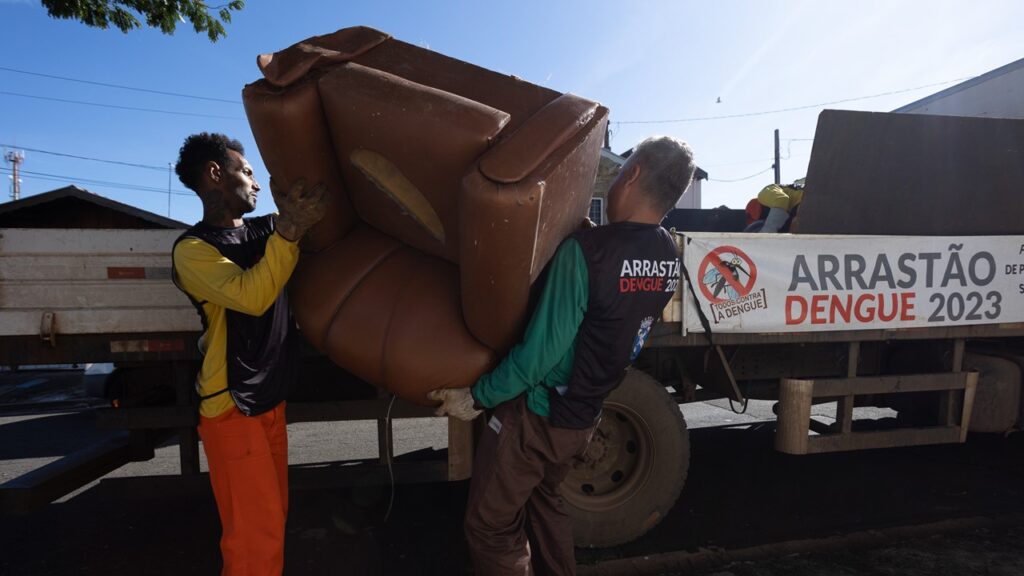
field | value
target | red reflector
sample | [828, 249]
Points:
[127, 346]
[126, 273]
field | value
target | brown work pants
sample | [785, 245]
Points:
[515, 507]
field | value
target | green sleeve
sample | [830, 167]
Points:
[549, 335]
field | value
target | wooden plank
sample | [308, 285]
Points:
[80, 348]
[43, 485]
[844, 408]
[844, 414]
[669, 335]
[366, 473]
[29, 241]
[965, 415]
[460, 449]
[183, 377]
[88, 295]
[889, 384]
[148, 417]
[948, 401]
[794, 415]
[353, 410]
[102, 321]
[883, 439]
[852, 359]
[80, 266]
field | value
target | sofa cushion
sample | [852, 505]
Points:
[389, 314]
[403, 149]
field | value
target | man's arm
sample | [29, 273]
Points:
[550, 333]
[208, 276]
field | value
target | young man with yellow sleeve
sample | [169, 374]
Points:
[234, 270]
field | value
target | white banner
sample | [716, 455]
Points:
[799, 283]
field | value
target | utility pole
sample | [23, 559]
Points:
[777, 166]
[15, 158]
[168, 189]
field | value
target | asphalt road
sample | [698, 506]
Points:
[740, 493]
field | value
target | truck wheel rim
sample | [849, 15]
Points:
[616, 465]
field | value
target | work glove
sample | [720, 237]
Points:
[455, 402]
[299, 208]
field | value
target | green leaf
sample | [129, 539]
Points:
[162, 14]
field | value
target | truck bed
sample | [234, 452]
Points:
[56, 282]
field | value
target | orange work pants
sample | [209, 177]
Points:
[248, 459]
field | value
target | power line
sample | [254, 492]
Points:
[758, 161]
[745, 177]
[121, 185]
[119, 86]
[63, 155]
[172, 112]
[792, 109]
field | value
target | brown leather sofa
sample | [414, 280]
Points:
[451, 187]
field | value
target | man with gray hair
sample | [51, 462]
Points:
[605, 288]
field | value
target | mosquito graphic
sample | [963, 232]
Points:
[719, 283]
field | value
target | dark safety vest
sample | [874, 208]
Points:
[262, 351]
[633, 272]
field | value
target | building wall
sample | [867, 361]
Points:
[1000, 96]
[608, 169]
[691, 197]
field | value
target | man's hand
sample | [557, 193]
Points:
[587, 223]
[455, 402]
[299, 208]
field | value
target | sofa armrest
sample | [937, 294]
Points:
[509, 231]
[293, 140]
[285, 67]
[552, 126]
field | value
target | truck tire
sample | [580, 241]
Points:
[634, 467]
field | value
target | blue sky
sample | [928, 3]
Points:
[646, 61]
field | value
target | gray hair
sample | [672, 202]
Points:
[666, 169]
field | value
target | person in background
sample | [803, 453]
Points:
[605, 288]
[781, 204]
[234, 271]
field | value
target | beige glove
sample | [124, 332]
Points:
[455, 402]
[298, 209]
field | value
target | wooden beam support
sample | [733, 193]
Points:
[794, 415]
[460, 449]
[883, 439]
[43, 485]
[796, 397]
[828, 387]
[188, 436]
[844, 407]
[948, 400]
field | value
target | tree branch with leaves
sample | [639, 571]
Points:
[162, 14]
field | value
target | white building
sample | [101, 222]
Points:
[995, 94]
[610, 165]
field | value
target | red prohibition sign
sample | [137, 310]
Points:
[729, 275]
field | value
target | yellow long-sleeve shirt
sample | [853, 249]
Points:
[220, 284]
[782, 197]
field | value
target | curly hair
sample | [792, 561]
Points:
[199, 149]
